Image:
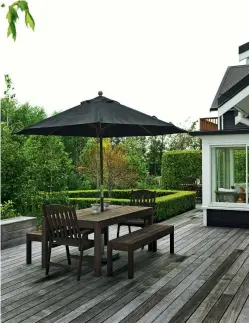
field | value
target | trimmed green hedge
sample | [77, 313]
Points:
[179, 165]
[174, 204]
[85, 202]
[116, 194]
[166, 206]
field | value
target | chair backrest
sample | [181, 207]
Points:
[143, 198]
[61, 222]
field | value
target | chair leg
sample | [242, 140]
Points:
[80, 263]
[129, 228]
[28, 251]
[172, 242]
[68, 255]
[130, 264]
[118, 230]
[109, 260]
[49, 257]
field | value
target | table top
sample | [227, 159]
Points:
[113, 214]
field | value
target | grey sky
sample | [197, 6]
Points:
[165, 58]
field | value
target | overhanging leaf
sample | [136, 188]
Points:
[12, 15]
[29, 20]
[12, 30]
[23, 5]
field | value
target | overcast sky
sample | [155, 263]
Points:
[162, 57]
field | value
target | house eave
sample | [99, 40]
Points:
[219, 132]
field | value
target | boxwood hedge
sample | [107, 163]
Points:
[116, 194]
[167, 206]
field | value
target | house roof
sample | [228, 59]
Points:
[243, 48]
[220, 132]
[236, 78]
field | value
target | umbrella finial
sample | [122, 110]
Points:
[100, 93]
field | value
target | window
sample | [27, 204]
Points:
[230, 174]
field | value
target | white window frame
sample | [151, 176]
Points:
[226, 204]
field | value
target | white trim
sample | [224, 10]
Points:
[241, 119]
[233, 101]
[204, 217]
[222, 141]
[244, 55]
[226, 208]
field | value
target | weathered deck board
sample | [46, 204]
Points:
[205, 281]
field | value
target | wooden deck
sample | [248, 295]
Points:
[207, 280]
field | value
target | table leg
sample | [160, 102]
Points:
[150, 222]
[106, 235]
[97, 250]
[44, 243]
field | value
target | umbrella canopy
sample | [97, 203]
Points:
[101, 117]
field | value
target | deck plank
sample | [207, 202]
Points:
[207, 280]
[244, 314]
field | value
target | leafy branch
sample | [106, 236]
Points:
[12, 16]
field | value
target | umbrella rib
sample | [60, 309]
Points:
[150, 133]
[54, 131]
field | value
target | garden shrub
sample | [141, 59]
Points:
[33, 206]
[167, 206]
[174, 204]
[82, 203]
[7, 210]
[179, 165]
[116, 194]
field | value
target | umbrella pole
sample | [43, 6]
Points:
[104, 255]
[101, 174]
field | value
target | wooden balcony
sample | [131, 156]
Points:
[208, 124]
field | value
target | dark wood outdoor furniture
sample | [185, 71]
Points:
[99, 223]
[137, 239]
[139, 198]
[31, 236]
[63, 229]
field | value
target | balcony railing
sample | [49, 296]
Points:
[208, 124]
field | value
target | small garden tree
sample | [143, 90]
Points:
[118, 172]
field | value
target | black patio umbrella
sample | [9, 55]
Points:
[101, 118]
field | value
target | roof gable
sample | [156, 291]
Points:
[236, 78]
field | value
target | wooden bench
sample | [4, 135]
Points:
[137, 239]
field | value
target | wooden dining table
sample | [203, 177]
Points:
[100, 223]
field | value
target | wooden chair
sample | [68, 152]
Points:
[139, 198]
[63, 229]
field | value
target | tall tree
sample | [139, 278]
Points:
[184, 141]
[74, 146]
[156, 148]
[135, 148]
[13, 165]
